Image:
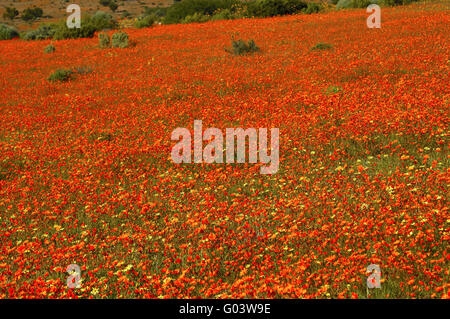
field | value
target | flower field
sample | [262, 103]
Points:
[86, 176]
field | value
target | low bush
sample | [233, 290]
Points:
[228, 14]
[10, 13]
[44, 31]
[104, 41]
[224, 14]
[102, 20]
[50, 48]
[145, 21]
[397, 2]
[180, 10]
[113, 6]
[322, 46]
[196, 18]
[89, 25]
[158, 12]
[60, 75]
[312, 7]
[109, 3]
[187, 11]
[347, 4]
[119, 40]
[7, 32]
[240, 47]
[30, 14]
[271, 8]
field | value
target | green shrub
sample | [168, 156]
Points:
[312, 8]
[180, 10]
[102, 21]
[59, 31]
[322, 46]
[104, 41]
[50, 48]
[333, 89]
[10, 13]
[158, 12]
[113, 6]
[89, 25]
[32, 14]
[7, 32]
[226, 14]
[271, 8]
[62, 32]
[119, 40]
[363, 3]
[109, 3]
[344, 4]
[196, 18]
[397, 2]
[197, 10]
[145, 21]
[347, 4]
[60, 75]
[43, 32]
[240, 47]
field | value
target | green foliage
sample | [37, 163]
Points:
[187, 11]
[322, 46]
[59, 31]
[236, 12]
[224, 14]
[344, 4]
[109, 3]
[113, 6]
[119, 40]
[10, 13]
[397, 2]
[62, 32]
[7, 32]
[347, 4]
[50, 48]
[30, 14]
[102, 21]
[180, 10]
[145, 21]
[240, 47]
[89, 25]
[104, 41]
[196, 18]
[43, 32]
[333, 89]
[158, 12]
[60, 75]
[270, 8]
[312, 7]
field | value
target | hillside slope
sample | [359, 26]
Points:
[86, 175]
